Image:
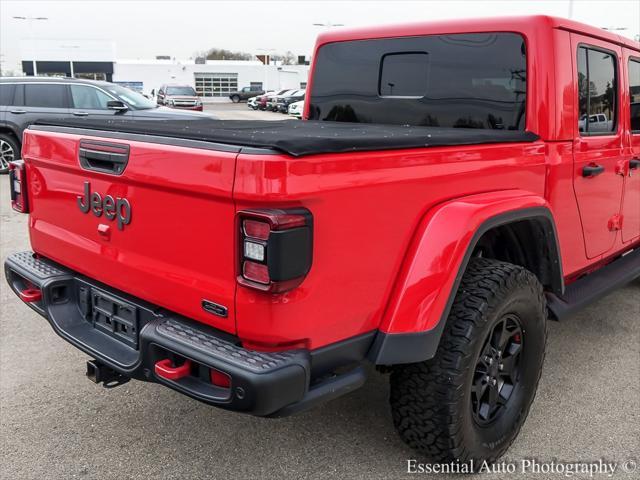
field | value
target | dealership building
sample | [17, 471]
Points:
[212, 79]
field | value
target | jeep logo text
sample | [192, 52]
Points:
[108, 206]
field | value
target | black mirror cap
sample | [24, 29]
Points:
[116, 105]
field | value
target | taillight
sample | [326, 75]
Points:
[18, 180]
[275, 249]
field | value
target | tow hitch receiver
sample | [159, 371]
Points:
[99, 373]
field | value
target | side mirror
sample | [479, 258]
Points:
[117, 105]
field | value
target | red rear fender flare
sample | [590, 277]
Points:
[437, 258]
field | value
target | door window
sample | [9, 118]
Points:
[597, 91]
[45, 95]
[634, 94]
[89, 98]
[6, 94]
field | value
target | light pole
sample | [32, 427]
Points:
[328, 25]
[71, 70]
[570, 9]
[30, 20]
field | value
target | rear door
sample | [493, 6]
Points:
[35, 101]
[631, 203]
[599, 153]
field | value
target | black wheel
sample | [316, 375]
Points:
[9, 151]
[470, 401]
[235, 98]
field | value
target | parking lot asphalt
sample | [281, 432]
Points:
[240, 111]
[54, 423]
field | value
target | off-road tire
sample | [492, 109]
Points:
[431, 401]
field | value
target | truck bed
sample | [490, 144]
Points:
[299, 138]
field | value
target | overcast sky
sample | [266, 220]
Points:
[146, 28]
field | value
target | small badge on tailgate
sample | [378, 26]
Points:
[215, 308]
[112, 208]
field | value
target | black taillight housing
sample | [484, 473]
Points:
[275, 248]
[18, 186]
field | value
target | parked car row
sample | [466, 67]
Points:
[289, 101]
[24, 100]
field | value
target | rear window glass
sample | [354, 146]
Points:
[45, 95]
[464, 81]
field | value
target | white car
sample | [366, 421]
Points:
[296, 109]
[252, 103]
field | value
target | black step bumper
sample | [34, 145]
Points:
[131, 337]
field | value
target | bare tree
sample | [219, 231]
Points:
[223, 54]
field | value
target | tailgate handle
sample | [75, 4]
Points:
[103, 157]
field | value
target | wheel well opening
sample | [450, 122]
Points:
[8, 131]
[530, 243]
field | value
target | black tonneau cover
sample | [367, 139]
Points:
[297, 137]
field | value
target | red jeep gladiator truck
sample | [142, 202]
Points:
[444, 197]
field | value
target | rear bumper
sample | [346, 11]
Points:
[131, 337]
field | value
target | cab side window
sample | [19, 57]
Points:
[597, 91]
[634, 94]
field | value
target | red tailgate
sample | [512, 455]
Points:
[163, 230]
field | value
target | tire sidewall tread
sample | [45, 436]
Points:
[431, 400]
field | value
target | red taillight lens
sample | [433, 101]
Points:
[255, 272]
[18, 188]
[256, 229]
[275, 248]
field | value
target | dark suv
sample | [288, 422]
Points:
[246, 93]
[283, 102]
[23, 100]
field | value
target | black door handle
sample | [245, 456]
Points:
[634, 163]
[592, 170]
